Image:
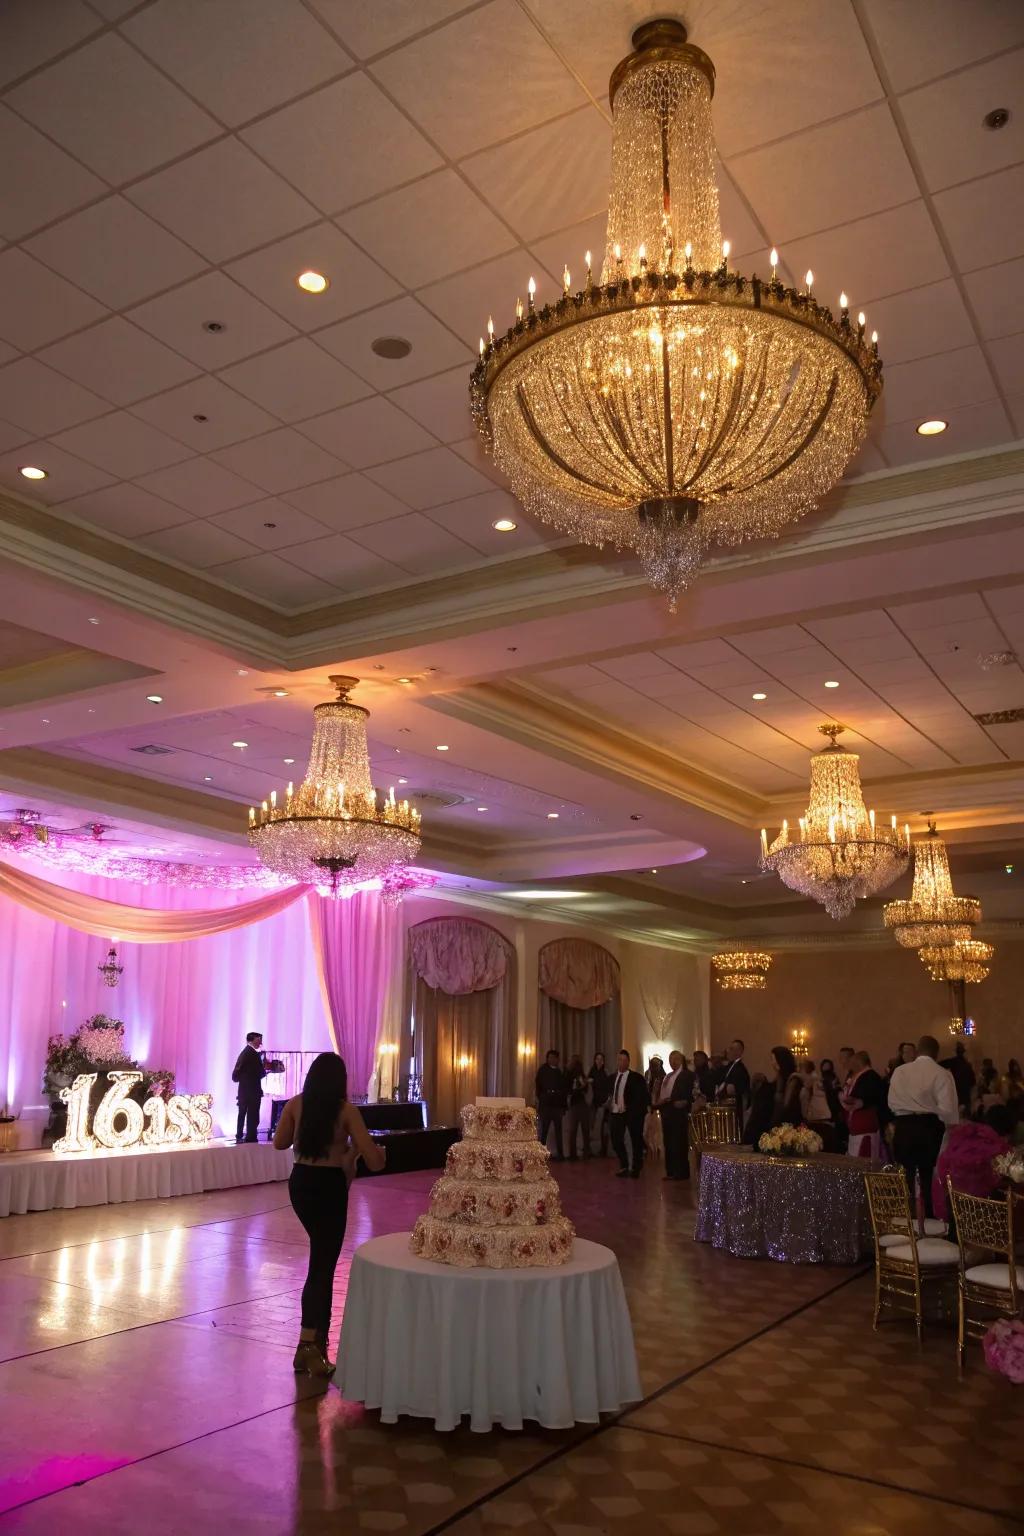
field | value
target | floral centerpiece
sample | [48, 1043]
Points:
[790, 1141]
[1010, 1165]
[96, 1046]
[1004, 1348]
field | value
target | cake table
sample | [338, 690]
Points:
[437, 1341]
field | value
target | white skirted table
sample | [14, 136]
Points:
[502, 1345]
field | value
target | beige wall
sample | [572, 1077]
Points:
[870, 999]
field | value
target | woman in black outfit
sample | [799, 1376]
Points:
[787, 1088]
[329, 1136]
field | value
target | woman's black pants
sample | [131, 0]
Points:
[319, 1199]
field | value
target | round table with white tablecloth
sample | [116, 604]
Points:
[502, 1345]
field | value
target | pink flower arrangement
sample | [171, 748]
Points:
[1004, 1349]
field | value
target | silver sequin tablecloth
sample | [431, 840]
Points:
[796, 1210]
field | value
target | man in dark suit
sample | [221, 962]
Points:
[735, 1086]
[552, 1097]
[628, 1106]
[675, 1099]
[250, 1070]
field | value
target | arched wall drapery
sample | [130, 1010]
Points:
[187, 1006]
[462, 1014]
[358, 946]
[129, 924]
[580, 1007]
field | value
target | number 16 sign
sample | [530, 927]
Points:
[121, 1121]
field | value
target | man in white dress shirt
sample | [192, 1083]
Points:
[923, 1103]
[627, 1109]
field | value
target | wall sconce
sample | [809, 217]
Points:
[464, 1063]
[800, 1047]
[526, 1050]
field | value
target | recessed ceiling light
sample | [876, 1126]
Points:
[1008, 868]
[45, 719]
[213, 326]
[403, 781]
[154, 698]
[94, 621]
[391, 347]
[504, 525]
[654, 871]
[280, 693]
[405, 680]
[207, 778]
[552, 815]
[831, 683]
[31, 472]
[240, 744]
[997, 118]
[932, 428]
[442, 749]
[759, 696]
[200, 417]
[313, 282]
[243, 672]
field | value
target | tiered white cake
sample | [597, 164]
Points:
[496, 1205]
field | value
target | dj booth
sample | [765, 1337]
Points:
[403, 1132]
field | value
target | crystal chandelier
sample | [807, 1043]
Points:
[673, 404]
[110, 970]
[934, 917]
[333, 827]
[967, 960]
[840, 854]
[741, 970]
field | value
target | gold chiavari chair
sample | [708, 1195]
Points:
[907, 1267]
[713, 1125]
[990, 1234]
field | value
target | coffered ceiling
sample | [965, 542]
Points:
[242, 494]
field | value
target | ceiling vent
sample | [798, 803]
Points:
[154, 751]
[434, 799]
[1001, 717]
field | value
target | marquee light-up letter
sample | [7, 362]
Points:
[76, 1138]
[184, 1118]
[115, 1103]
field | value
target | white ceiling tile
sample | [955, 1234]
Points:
[11, 436]
[179, 319]
[200, 486]
[971, 427]
[548, 178]
[355, 281]
[996, 296]
[455, 82]
[229, 417]
[922, 321]
[274, 580]
[125, 510]
[441, 404]
[369, 432]
[38, 181]
[434, 348]
[920, 39]
[982, 219]
[271, 524]
[368, 29]
[417, 544]
[238, 57]
[118, 360]
[492, 288]
[472, 452]
[430, 479]
[779, 67]
[123, 445]
[42, 401]
[569, 247]
[1015, 406]
[343, 144]
[799, 185]
[745, 235]
[32, 34]
[296, 380]
[113, 110]
[872, 257]
[472, 519]
[223, 201]
[425, 231]
[349, 502]
[932, 385]
[281, 461]
[115, 253]
[67, 476]
[197, 544]
[944, 121]
[345, 564]
[37, 306]
[1007, 356]
[637, 666]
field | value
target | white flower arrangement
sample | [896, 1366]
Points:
[790, 1141]
[1010, 1165]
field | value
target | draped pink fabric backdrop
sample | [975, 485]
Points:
[359, 940]
[184, 1005]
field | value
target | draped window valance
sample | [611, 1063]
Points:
[457, 955]
[578, 972]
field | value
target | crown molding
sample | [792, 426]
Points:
[907, 504]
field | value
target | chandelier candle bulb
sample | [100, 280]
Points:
[587, 259]
[688, 254]
[531, 289]
[809, 282]
[490, 328]
[519, 311]
[273, 799]
[566, 280]
[773, 258]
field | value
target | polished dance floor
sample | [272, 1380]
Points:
[146, 1384]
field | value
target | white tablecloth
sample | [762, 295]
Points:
[502, 1345]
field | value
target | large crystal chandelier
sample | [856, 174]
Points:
[741, 970]
[841, 853]
[967, 960]
[333, 829]
[674, 403]
[934, 917]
